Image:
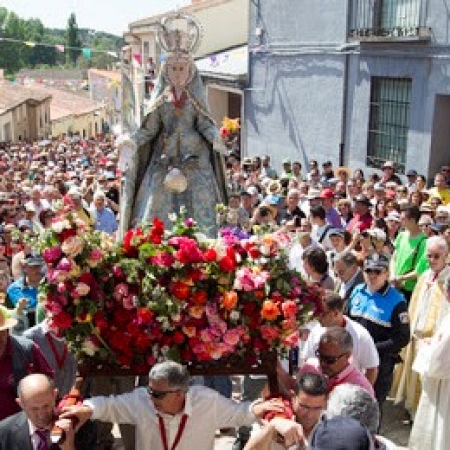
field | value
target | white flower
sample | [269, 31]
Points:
[172, 217]
[234, 315]
[89, 347]
[61, 225]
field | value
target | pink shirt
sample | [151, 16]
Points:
[349, 375]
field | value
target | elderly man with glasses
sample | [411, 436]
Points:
[426, 310]
[171, 414]
[381, 309]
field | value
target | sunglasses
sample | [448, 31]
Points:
[433, 255]
[375, 271]
[159, 394]
[329, 359]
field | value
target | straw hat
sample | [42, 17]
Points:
[342, 170]
[274, 187]
[6, 322]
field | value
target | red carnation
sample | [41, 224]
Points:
[209, 255]
[100, 320]
[142, 342]
[224, 132]
[199, 297]
[62, 320]
[180, 290]
[124, 360]
[145, 316]
[66, 234]
[227, 264]
[178, 337]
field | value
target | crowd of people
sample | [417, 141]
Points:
[378, 246]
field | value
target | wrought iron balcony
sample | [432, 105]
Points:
[381, 20]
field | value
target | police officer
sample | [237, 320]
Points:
[383, 311]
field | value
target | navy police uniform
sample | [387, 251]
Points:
[384, 314]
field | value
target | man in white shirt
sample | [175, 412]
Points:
[302, 241]
[364, 356]
[169, 414]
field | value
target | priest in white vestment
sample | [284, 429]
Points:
[431, 429]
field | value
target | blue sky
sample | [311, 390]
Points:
[112, 16]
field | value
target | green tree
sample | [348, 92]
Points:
[72, 40]
[12, 54]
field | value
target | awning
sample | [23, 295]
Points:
[230, 65]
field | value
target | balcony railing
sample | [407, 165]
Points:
[388, 20]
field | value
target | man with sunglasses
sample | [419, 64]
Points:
[334, 360]
[381, 309]
[171, 414]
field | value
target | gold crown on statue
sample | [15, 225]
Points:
[179, 33]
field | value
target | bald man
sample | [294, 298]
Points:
[30, 428]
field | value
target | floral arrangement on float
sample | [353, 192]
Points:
[229, 129]
[172, 293]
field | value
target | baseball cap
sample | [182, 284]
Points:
[376, 233]
[411, 173]
[376, 261]
[362, 199]
[341, 433]
[438, 227]
[327, 193]
[393, 215]
[286, 161]
[337, 232]
[25, 224]
[252, 190]
[388, 164]
[35, 260]
[313, 193]
[272, 199]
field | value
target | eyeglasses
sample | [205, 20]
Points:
[329, 359]
[434, 255]
[375, 271]
[159, 394]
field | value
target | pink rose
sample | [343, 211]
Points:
[128, 302]
[96, 255]
[269, 333]
[64, 265]
[231, 337]
[72, 246]
[51, 255]
[82, 289]
[289, 308]
[120, 291]
[206, 335]
[291, 340]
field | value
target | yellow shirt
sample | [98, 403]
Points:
[443, 194]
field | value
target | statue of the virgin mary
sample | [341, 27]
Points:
[177, 153]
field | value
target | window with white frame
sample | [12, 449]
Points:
[389, 118]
